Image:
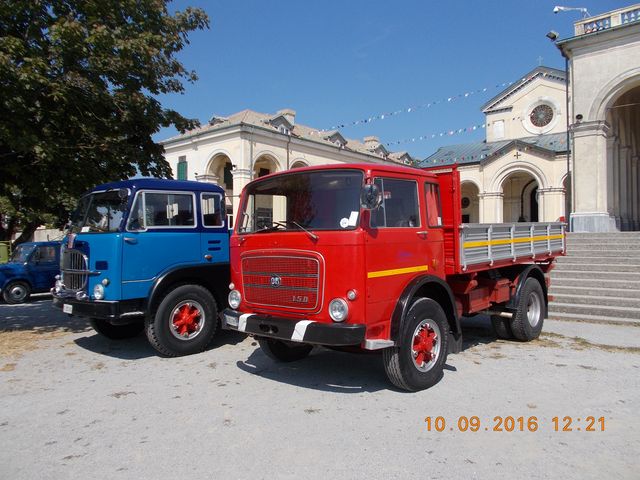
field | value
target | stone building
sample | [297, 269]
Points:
[232, 151]
[603, 60]
[519, 172]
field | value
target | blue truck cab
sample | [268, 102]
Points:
[31, 268]
[148, 254]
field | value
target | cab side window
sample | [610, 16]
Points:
[434, 208]
[44, 254]
[399, 207]
[211, 204]
[162, 210]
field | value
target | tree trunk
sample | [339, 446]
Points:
[27, 233]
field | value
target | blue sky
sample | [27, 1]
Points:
[336, 62]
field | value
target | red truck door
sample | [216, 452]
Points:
[397, 241]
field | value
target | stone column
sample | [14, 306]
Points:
[241, 176]
[590, 210]
[615, 173]
[624, 188]
[611, 177]
[634, 193]
[551, 203]
[491, 207]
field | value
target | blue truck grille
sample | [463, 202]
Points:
[74, 270]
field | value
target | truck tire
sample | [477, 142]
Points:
[417, 362]
[16, 292]
[116, 332]
[184, 323]
[502, 327]
[526, 324]
[282, 351]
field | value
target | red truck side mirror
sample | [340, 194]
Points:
[370, 197]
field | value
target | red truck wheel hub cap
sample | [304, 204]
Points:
[186, 320]
[423, 343]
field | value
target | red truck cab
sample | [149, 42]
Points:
[373, 257]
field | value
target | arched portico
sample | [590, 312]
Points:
[520, 197]
[265, 164]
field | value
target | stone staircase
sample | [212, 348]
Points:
[599, 279]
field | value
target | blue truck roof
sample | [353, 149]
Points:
[48, 242]
[160, 184]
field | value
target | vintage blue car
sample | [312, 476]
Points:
[31, 269]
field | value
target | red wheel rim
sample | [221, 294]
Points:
[187, 320]
[425, 346]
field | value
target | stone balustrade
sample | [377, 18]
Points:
[608, 20]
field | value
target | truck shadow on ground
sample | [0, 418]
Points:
[39, 315]
[349, 373]
[139, 347]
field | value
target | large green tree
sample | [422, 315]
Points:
[79, 81]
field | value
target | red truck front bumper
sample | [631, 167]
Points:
[298, 330]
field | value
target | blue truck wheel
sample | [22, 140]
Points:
[16, 292]
[185, 321]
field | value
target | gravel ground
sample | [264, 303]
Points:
[76, 405]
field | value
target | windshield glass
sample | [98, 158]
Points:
[21, 253]
[320, 200]
[100, 212]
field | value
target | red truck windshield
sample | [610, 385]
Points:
[319, 200]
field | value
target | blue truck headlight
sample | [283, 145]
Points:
[98, 292]
[234, 299]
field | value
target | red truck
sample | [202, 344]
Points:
[375, 257]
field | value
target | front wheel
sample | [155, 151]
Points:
[418, 361]
[16, 292]
[116, 332]
[184, 322]
[282, 351]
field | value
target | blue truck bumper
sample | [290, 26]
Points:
[116, 312]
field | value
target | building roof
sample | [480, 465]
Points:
[470, 153]
[264, 121]
[552, 73]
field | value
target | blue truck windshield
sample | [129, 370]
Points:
[21, 253]
[317, 200]
[100, 212]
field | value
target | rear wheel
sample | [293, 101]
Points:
[16, 292]
[283, 351]
[502, 327]
[116, 332]
[418, 360]
[184, 322]
[530, 312]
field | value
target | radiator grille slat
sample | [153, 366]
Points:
[74, 270]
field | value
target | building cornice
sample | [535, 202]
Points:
[248, 128]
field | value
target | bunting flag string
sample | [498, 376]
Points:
[446, 133]
[446, 100]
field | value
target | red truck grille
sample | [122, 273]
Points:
[282, 281]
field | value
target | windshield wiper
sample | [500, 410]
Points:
[313, 236]
[284, 224]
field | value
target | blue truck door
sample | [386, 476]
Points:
[161, 233]
[43, 267]
[214, 240]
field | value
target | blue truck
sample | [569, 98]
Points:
[31, 268]
[148, 254]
